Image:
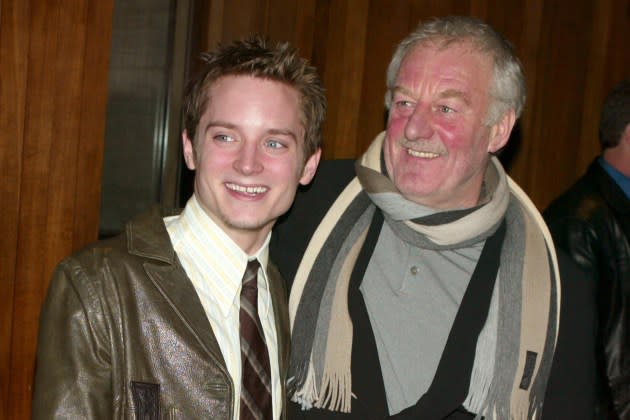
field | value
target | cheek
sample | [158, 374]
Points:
[395, 131]
[207, 167]
[453, 135]
[389, 152]
[285, 170]
[396, 125]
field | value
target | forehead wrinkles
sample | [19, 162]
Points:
[455, 94]
[443, 88]
[461, 72]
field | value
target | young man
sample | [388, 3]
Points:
[428, 285]
[162, 322]
[591, 222]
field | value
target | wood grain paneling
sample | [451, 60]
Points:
[593, 91]
[92, 121]
[53, 62]
[342, 76]
[13, 67]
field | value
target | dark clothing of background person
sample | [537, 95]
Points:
[591, 221]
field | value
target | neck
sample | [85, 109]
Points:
[249, 242]
[619, 158]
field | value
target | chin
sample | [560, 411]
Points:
[248, 224]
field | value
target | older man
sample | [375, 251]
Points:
[429, 286]
[185, 316]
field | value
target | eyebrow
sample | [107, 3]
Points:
[281, 132]
[402, 90]
[231, 126]
[454, 93]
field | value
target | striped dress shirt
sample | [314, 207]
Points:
[215, 264]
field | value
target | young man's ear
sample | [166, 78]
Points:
[500, 132]
[310, 167]
[189, 151]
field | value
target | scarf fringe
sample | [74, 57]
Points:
[306, 394]
[478, 393]
[336, 394]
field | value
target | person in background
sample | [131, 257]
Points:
[427, 285]
[591, 222]
[185, 316]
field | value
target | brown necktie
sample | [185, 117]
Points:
[256, 373]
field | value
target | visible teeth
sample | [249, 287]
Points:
[425, 155]
[246, 190]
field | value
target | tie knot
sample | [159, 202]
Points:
[251, 271]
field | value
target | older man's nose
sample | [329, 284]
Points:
[419, 124]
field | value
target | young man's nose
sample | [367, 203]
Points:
[248, 159]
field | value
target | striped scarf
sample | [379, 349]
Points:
[525, 301]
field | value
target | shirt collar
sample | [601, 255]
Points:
[209, 233]
[619, 178]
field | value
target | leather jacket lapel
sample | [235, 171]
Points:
[147, 237]
[178, 291]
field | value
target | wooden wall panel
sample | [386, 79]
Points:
[617, 61]
[92, 121]
[54, 90]
[304, 32]
[561, 71]
[529, 48]
[593, 85]
[342, 75]
[280, 20]
[13, 67]
[251, 14]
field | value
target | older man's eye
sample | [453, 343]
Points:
[445, 109]
[404, 104]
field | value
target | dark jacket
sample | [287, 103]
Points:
[123, 335]
[569, 391]
[591, 221]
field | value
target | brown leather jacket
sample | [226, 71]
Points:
[123, 335]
